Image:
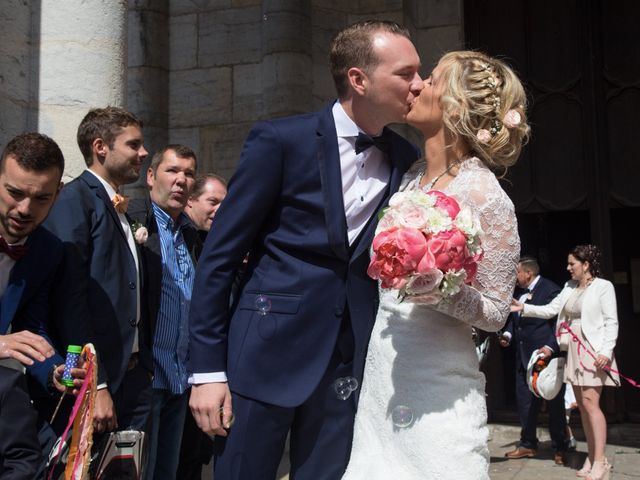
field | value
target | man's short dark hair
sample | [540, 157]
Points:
[201, 181]
[353, 47]
[35, 152]
[105, 123]
[530, 264]
[182, 151]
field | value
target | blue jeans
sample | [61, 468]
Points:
[165, 434]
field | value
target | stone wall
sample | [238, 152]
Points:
[200, 72]
[234, 62]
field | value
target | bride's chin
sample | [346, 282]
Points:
[413, 121]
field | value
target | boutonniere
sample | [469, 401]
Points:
[140, 232]
[529, 296]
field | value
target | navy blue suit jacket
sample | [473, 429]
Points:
[285, 208]
[96, 295]
[528, 333]
[25, 303]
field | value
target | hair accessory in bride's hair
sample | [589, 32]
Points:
[483, 135]
[512, 118]
[496, 126]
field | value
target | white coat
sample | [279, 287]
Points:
[599, 313]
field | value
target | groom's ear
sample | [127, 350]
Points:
[358, 80]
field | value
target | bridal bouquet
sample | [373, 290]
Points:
[426, 246]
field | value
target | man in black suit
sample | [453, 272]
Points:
[31, 168]
[99, 284]
[170, 247]
[20, 452]
[529, 335]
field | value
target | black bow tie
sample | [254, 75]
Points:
[15, 252]
[364, 141]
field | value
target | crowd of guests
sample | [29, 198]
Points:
[80, 263]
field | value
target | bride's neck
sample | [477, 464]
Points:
[439, 155]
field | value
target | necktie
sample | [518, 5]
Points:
[15, 252]
[120, 203]
[364, 141]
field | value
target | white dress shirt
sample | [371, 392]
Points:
[364, 175]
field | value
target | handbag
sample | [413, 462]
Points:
[120, 456]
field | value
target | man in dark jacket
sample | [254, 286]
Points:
[528, 335]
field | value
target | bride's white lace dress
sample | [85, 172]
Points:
[423, 359]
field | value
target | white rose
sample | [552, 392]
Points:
[141, 235]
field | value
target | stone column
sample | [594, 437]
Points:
[82, 64]
[15, 68]
[286, 57]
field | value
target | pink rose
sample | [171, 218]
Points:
[412, 216]
[483, 135]
[397, 252]
[449, 249]
[446, 203]
[425, 283]
[512, 118]
[141, 235]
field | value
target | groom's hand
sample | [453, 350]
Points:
[210, 404]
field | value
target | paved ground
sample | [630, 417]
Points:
[623, 452]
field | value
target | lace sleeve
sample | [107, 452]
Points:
[485, 304]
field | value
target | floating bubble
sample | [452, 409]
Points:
[352, 383]
[263, 304]
[344, 387]
[264, 17]
[402, 416]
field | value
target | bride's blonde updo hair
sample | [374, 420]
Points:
[484, 103]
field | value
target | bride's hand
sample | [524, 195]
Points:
[516, 306]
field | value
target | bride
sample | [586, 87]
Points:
[422, 412]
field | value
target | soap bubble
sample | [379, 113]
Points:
[402, 416]
[263, 304]
[344, 387]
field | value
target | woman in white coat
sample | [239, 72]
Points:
[588, 305]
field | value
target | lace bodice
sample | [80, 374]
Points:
[485, 303]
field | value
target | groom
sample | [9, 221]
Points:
[302, 204]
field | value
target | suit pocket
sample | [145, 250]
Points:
[265, 302]
[270, 312]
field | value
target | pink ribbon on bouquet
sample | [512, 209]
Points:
[564, 327]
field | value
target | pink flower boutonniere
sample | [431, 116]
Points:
[140, 233]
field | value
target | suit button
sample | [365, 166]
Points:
[132, 322]
[132, 285]
[338, 311]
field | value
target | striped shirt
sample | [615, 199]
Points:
[170, 343]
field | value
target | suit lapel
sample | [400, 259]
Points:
[101, 193]
[331, 179]
[13, 293]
